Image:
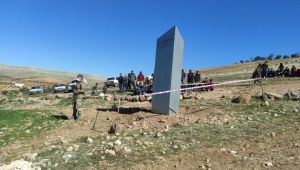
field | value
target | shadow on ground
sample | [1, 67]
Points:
[127, 111]
[60, 117]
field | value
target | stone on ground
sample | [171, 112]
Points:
[89, 140]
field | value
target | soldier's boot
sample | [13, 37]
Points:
[75, 115]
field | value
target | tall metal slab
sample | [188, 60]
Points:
[167, 72]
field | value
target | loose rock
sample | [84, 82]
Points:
[268, 164]
[158, 134]
[89, 140]
[110, 152]
[142, 98]
[117, 142]
[70, 149]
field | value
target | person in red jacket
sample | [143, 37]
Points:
[141, 77]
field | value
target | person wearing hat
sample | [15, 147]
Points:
[78, 93]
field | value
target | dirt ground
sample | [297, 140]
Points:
[243, 154]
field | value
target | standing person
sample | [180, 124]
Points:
[120, 81]
[183, 76]
[125, 83]
[190, 77]
[256, 74]
[94, 89]
[128, 83]
[279, 71]
[152, 75]
[141, 77]
[197, 77]
[281, 68]
[132, 80]
[259, 69]
[78, 93]
[104, 89]
[264, 72]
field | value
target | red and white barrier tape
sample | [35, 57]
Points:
[192, 84]
[199, 87]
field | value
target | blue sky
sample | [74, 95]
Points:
[106, 37]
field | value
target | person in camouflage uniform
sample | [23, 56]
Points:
[78, 93]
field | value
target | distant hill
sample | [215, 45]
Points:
[30, 75]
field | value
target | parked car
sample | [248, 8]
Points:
[113, 81]
[59, 88]
[36, 90]
[70, 87]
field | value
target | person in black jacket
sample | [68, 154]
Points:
[197, 77]
[125, 83]
[120, 81]
[183, 76]
[190, 77]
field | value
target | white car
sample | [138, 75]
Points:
[36, 90]
[70, 87]
[113, 81]
[58, 88]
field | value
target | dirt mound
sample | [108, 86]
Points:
[243, 98]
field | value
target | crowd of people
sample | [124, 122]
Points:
[138, 84]
[142, 84]
[192, 79]
[263, 71]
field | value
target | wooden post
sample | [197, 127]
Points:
[93, 128]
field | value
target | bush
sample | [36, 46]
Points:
[278, 57]
[258, 58]
[286, 57]
[296, 55]
[24, 90]
[10, 92]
